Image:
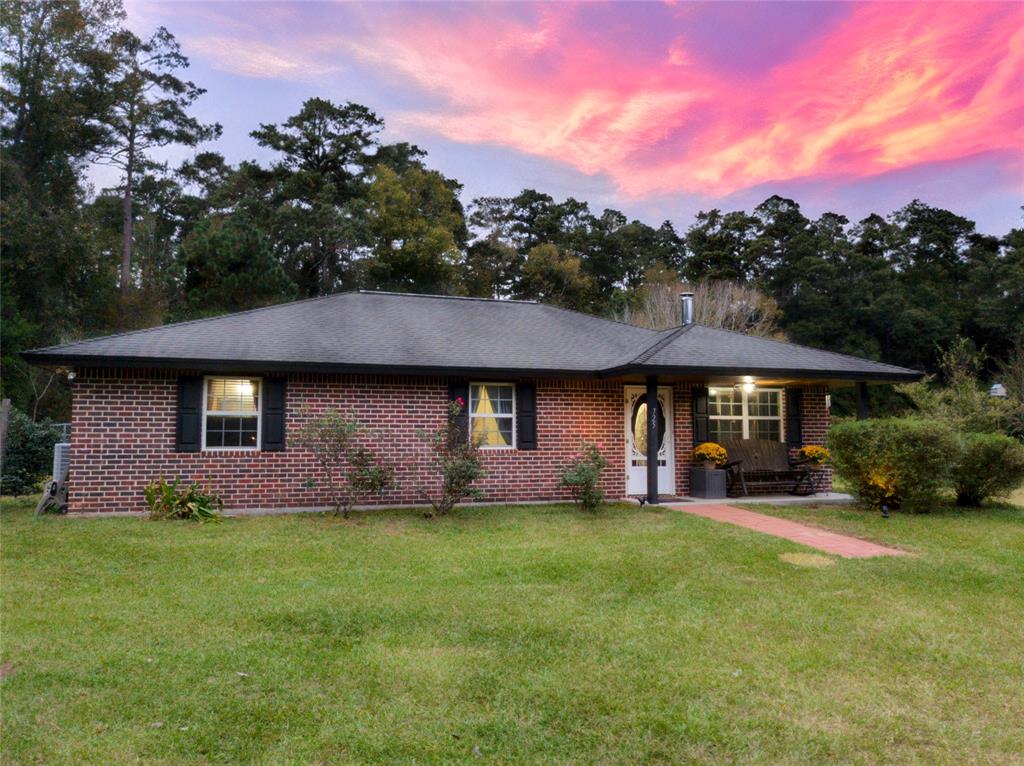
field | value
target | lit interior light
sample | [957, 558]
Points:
[246, 388]
[747, 379]
[748, 387]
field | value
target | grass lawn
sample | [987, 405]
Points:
[506, 635]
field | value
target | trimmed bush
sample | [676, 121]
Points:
[988, 465]
[582, 476]
[898, 462]
[28, 459]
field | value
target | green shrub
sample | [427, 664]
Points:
[898, 462]
[177, 501]
[28, 458]
[988, 465]
[582, 477]
[352, 471]
[457, 460]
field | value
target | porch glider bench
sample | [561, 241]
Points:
[754, 462]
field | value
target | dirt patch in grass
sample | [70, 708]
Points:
[807, 560]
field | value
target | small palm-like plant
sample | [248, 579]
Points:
[172, 500]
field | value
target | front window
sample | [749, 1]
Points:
[736, 414]
[492, 415]
[231, 413]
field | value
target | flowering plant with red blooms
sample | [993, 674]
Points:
[460, 401]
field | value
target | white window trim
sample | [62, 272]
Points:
[232, 414]
[469, 410]
[745, 417]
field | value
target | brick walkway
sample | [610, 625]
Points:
[829, 542]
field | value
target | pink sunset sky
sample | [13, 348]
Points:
[658, 109]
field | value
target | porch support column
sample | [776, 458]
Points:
[652, 439]
[863, 411]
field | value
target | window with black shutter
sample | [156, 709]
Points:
[492, 415]
[188, 425]
[231, 413]
[526, 416]
[700, 415]
[459, 392]
[794, 417]
[273, 430]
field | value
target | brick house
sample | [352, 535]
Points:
[217, 400]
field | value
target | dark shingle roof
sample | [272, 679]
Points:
[724, 351]
[392, 331]
[384, 330]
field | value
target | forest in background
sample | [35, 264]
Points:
[339, 208]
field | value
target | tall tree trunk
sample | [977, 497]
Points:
[127, 221]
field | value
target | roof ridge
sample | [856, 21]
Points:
[505, 300]
[192, 321]
[595, 316]
[809, 348]
[659, 344]
[448, 297]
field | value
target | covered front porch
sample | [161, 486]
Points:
[762, 421]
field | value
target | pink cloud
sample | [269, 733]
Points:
[886, 87]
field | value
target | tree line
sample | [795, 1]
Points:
[338, 207]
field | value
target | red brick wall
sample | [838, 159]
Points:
[682, 422]
[816, 420]
[123, 438]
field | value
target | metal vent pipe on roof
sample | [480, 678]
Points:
[687, 305]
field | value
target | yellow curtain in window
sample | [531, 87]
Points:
[485, 429]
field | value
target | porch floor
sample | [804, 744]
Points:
[820, 539]
[819, 498]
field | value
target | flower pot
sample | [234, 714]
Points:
[709, 465]
[709, 484]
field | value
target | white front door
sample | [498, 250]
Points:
[636, 442]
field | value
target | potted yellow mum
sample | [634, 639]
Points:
[712, 455]
[815, 454]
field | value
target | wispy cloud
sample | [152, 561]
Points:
[705, 99]
[251, 58]
[890, 86]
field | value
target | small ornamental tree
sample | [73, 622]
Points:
[456, 458]
[582, 476]
[352, 471]
[963, 402]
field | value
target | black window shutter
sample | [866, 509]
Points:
[794, 417]
[272, 428]
[460, 390]
[188, 424]
[700, 415]
[526, 416]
